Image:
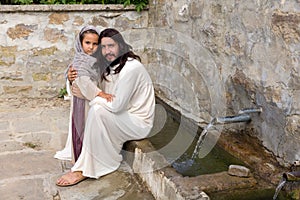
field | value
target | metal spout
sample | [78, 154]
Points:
[292, 176]
[250, 110]
[233, 119]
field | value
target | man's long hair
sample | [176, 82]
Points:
[125, 52]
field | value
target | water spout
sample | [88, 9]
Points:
[250, 110]
[292, 176]
[241, 117]
[233, 119]
[287, 177]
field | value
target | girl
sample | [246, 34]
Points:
[85, 46]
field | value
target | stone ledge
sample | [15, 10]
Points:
[164, 182]
[156, 173]
[65, 8]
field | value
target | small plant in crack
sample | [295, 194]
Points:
[31, 145]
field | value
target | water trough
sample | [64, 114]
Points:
[167, 179]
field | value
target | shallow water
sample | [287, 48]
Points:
[259, 194]
[217, 160]
[278, 189]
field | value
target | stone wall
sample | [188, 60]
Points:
[217, 57]
[206, 58]
[37, 43]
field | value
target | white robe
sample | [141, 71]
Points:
[89, 90]
[109, 124]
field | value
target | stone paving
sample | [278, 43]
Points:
[31, 131]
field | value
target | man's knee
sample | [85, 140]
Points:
[98, 110]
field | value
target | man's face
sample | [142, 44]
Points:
[110, 49]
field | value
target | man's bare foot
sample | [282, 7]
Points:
[71, 178]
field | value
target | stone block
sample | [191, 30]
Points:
[41, 76]
[238, 170]
[20, 31]
[7, 55]
[17, 89]
[58, 18]
[196, 8]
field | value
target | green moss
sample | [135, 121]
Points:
[31, 145]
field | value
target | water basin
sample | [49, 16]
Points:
[257, 194]
[215, 162]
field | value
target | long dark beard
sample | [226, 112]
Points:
[115, 62]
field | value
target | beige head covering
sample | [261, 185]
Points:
[84, 63]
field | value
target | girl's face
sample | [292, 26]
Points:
[110, 49]
[90, 43]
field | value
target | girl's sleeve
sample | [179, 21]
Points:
[87, 87]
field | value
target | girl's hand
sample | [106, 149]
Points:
[108, 97]
[76, 91]
[72, 74]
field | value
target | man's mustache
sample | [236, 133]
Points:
[110, 54]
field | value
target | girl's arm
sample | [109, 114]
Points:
[85, 87]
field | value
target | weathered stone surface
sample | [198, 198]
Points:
[286, 25]
[295, 107]
[99, 21]
[27, 188]
[238, 170]
[64, 8]
[196, 8]
[54, 35]
[38, 49]
[41, 76]
[58, 18]
[261, 57]
[216, 182]
[44, 52]
[19, 165]
[10, 145]
[20, 31]
[7, 55]
[17, 89]
[28, 169]
[160, 178]
[14, 76]
[200, 54]
[78, 21]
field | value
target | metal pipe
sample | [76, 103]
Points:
[292, 176]
[250, 110]
[241, 117]
[233, 119]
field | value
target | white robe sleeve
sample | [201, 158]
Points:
[87, 87]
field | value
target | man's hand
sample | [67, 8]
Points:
[72, 74]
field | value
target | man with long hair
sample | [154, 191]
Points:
[129, 116]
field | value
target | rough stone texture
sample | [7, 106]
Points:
[206, 58]
[37, 43]
[286, 25]
[31, 131]
[166, 183]
[237, 170]
[159, 178]
[237, 61]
